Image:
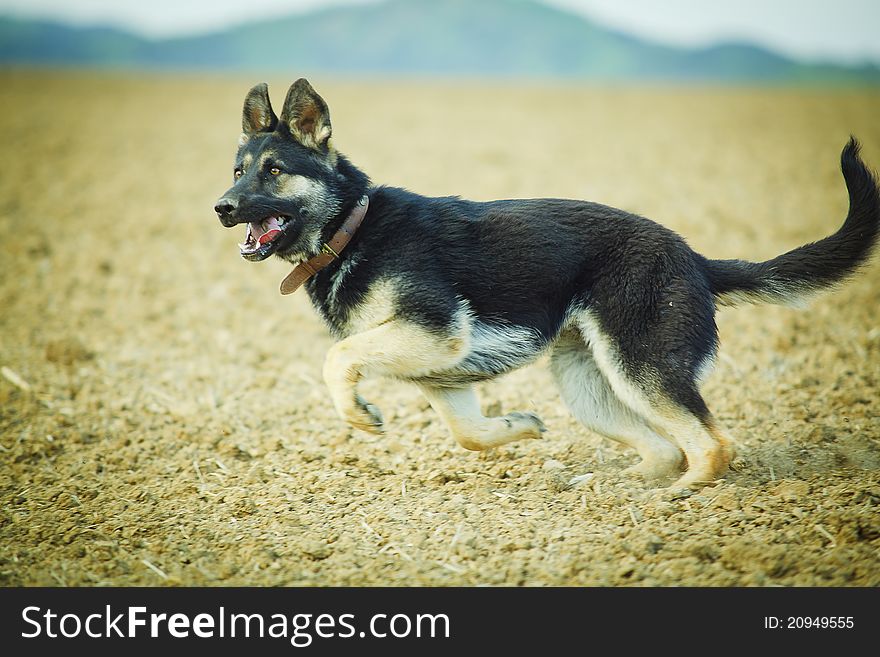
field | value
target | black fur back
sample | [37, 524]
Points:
[517, 262]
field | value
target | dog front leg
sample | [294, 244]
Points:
[460, 409]
[397, 348]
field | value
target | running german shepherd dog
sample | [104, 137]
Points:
[445, 292]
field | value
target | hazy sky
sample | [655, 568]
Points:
[844, 30]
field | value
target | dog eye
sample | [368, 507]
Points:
[237, 174]
[274, 171]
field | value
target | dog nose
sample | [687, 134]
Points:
[224, 209]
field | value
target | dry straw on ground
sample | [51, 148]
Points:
[162, 420]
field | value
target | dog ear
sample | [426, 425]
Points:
[257, 115]
[306, 115]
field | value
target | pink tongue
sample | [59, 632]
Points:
[265, 231]
[269, 235]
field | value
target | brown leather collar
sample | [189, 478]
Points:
[330, 251]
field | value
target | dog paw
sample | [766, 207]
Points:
[693, 482]
[659, 466]
[366, 417]
[531, 422]
[647, 471]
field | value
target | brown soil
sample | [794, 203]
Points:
[176, 431]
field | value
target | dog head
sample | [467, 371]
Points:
[287, 186]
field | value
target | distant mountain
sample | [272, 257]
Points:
[477, 38]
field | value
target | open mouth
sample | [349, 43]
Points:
[262, 237]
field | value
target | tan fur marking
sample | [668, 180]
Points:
[310, 134]
[376, 309]
[460, 409]
[609, 362]
[378, 344]
[727, 445]
[707, 456]
[265, 156]
[292, 186]
[393, 348]
[332, 156]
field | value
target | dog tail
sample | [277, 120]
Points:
[792, 277]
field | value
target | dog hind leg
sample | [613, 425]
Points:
[589, 396]
[671, 404]
[708, 450]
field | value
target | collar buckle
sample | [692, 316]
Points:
[303, 271]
